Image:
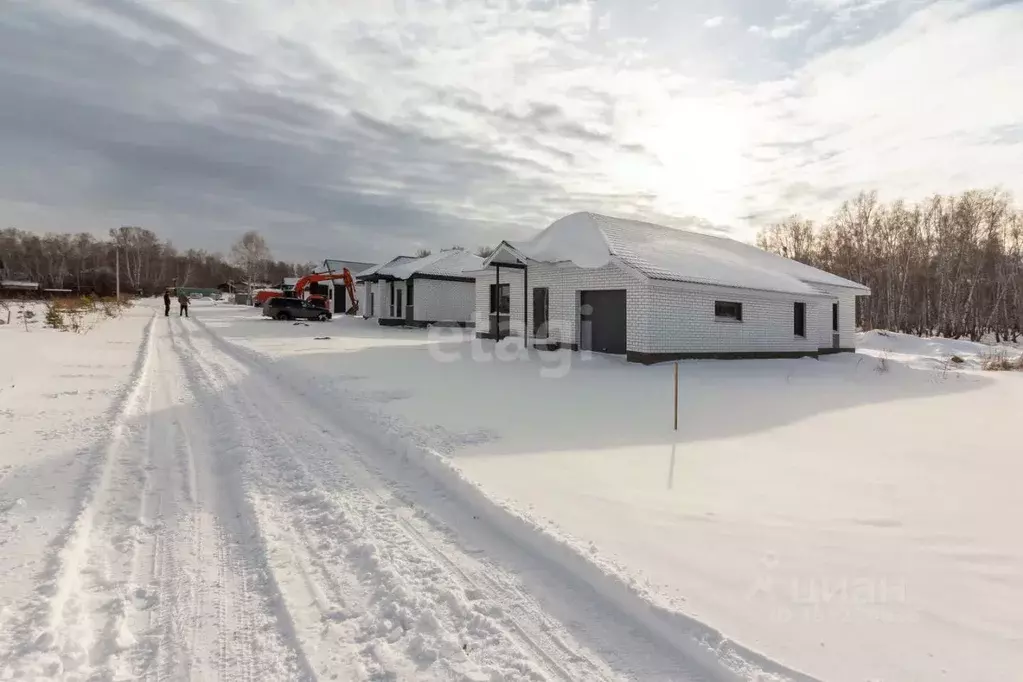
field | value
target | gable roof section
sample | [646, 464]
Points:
[443, 264]
[336, 265]
[378, 271]
[663, 253]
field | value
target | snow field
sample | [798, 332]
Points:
[215, 541]
[810, 510]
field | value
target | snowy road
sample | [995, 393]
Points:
[231, 530]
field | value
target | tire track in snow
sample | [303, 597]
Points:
[634, 648]
[482, 614]
[239, 635]
[251, 602]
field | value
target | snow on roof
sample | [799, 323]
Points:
[453, 263]
[337, 265]
[379, 269]
[589, 240]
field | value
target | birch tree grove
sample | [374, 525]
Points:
[85, 264]
[949, 266]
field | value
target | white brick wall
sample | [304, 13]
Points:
[564, 284]
[846, 316]
[511, 276]
[675, 317]
[682, 320]
[443, 300]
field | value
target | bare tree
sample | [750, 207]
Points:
[422, 253]
[252, 256]
[950, 265]
[485, 251]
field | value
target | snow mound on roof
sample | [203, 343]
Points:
[452, 263]
[574, 238]
[588, 239]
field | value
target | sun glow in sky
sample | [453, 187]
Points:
[374, 127]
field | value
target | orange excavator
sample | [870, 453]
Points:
[317, 299]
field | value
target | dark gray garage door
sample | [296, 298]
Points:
[602, 321]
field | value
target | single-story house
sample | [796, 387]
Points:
[334, 290]
[434, 289]
[655, 293]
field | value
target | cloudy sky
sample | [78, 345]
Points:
[365, 128]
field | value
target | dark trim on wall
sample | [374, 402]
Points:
[442, 278]
[450, 323]
[375, 278]
[517, 266]
[423, 324]
[525, 301]
[555, 345]
[833, 351]
[654, 358]
[491, 337]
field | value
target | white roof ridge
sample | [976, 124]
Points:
[669, 253]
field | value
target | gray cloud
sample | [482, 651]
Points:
[363, 135]
[125, 125]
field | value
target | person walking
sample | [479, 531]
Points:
[166, 302]
[183, 302]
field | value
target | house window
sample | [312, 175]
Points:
[500, 302]
[541, 310]
[799, 319]
[372, 305]
[390, 311]
[834, 317]
[728, 310]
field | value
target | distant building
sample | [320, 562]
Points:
[334, 291]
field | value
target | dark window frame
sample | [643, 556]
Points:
[502, 306]
[799, 319]
[834, 317]
[728, 311]
[542, 322]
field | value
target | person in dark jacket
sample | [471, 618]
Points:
[183, 302]
[166, 302]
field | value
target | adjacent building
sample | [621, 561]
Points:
[438, 289]
[655, 293]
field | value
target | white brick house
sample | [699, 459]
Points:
[656, 293]
[418, 292]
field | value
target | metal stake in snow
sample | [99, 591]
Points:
[117, 268]
[676, 396]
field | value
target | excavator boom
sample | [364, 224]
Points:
[344, 275]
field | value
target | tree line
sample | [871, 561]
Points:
[85, 264]
[948, 265]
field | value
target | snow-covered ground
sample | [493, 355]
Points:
[190, 515]
[239, 498]
[852, 518]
